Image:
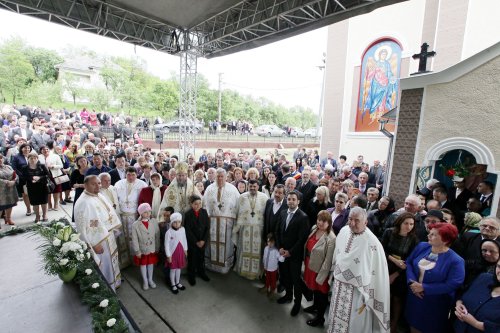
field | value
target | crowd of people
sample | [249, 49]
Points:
[305, 225]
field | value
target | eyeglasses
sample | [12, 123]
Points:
[487, 226]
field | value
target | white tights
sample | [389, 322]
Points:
[147, 271]
[175, 276]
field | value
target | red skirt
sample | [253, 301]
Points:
[178, 258]
[146, 259]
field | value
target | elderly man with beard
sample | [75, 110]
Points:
[128, 190]
[221, 201]
[109, 191]
[180, 189]
[247, 233]
[153, 194]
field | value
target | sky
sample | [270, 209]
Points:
[286, 72]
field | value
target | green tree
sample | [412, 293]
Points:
[99, 98]
[44, 93]
[44, 62]
[16, 72]
[164, 97]
[71, 84]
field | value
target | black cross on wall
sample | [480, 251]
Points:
[422, 58]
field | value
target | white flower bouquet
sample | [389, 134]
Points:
[61, 250]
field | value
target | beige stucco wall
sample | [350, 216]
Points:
[465, 107]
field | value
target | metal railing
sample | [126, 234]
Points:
[220, 136]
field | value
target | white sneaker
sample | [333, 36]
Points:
[145, 286]
[152, 284]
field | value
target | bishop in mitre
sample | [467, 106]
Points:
[178, 192]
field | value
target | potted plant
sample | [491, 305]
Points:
[62, 250]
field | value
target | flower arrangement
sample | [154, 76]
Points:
[457, 170]
[63, 251]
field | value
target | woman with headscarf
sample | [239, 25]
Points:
[490, 253]
[471, 223]
[153, 194]
[377, 217]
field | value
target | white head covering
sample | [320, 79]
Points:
[175, 217]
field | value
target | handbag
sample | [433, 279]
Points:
[61, 179]
[50, 185]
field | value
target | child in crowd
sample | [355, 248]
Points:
[164, 224]
[146, 244]
[197, 224]
[270, 262]
[176, 251]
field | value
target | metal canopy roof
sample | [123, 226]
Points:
[209, 28]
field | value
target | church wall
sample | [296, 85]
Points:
[405, 144]
[334, 88]
[450, 34]
[467, 107]
[482, 26]
[347, 42]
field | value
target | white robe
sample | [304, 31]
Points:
[110, 194]
[128, 196]
[178, 197]
[96, 220]
[247, 234]
[360, 293]
[223, 213]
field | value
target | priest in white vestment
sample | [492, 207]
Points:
[360, 293]
[109, 191]
[128, 190]
[178, 192]
[96, 221]
[247, 233]
[221, 202]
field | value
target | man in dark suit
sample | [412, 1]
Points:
[459, 194]
[23, 131]
[307, 188]
[274, 207]
[362, 183]
[117, 131]
[441, 195]
[376, 169]
[118, 173]
[485, 195]
[291, 235]
[470, 242]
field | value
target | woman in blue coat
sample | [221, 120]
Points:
[434, 272]
[478, 310]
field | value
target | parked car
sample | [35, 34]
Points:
[269, 130]
[312, 133]
[174, 126]
[297, 132]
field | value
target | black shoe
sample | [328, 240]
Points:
[62, 202]
[281, 288]
[295, 310]
[311, 309]
[180, 287]
[192, 281]
[68, 200]
[204, 277]
[284, 299]
[174, 290]
[316, 322]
